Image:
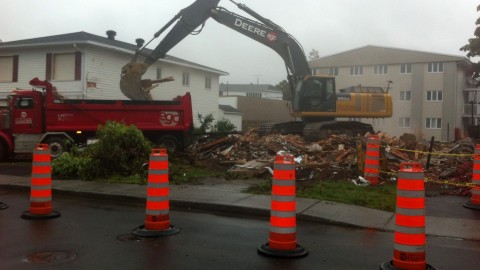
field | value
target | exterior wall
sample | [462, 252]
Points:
[32, 63]
[234, 118]
[102, 67]
[232, 101]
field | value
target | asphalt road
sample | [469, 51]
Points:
[96, 234]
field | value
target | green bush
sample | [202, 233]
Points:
[121, 150]
[208, 124]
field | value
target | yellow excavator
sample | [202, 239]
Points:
[315, 99]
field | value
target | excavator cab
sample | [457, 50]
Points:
[315, 94]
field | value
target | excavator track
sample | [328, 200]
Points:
[293, 127]
[322, 130]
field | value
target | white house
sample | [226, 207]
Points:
[83, 65]
[231, 114]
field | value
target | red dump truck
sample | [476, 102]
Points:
[43, 116]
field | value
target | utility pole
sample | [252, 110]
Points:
[258, 76]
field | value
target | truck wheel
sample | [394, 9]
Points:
[169, 142]
[57, 145]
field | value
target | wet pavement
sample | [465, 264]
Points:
[96, 234]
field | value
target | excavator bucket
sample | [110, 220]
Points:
[131, 81]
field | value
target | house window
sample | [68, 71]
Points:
[208, 82]
[356, 71]
[406, 69]
[9, 68]
[63, 67]
[380, 69]
[435, 67]
[433, 123]
[333, 71]
[186, 79]
[159, 73]
[434, 95]
[254, 95]
[404, 122]
[405, 95]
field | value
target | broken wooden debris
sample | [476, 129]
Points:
[335, 157]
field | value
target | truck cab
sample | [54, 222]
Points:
[21, 122]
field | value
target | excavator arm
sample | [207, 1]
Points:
[194, 16]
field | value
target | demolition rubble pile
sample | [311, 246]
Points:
[250, 155]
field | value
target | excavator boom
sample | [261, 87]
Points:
[194, 16]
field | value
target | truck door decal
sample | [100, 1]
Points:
[169, 118]
[23, 119]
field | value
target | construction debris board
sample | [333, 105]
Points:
[339, 157]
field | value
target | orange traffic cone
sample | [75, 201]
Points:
[409, 237]
[474, 202]
[41, 187]
[372, 160]
[157, 221]
[282, 241]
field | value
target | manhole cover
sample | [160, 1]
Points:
[132, 238]
[50, 257]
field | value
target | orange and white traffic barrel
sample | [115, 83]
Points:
[372, 160]
[409, 236]
[157, 220]
[41, 185]
[474, 202]
[282, 240]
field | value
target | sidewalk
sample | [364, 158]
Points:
[445, 215]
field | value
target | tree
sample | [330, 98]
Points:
[313, 54]
[285, 87]
[473, 46]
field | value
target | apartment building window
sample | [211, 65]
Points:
[434, 95]
[333, 71]
[9, 68]
[435, 67]
[208, 82]
[186, 79]
[406, 69]
[433, 123]
[356, 71]
[404, 122]
[380, 69]
[159, 73]
[405, 95]
[63, 66]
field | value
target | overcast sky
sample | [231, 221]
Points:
[439, 26]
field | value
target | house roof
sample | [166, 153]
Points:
[373, 55]
[87, 38]
[229, 109]
[249, 88]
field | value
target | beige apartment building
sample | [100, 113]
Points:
[429, 90]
